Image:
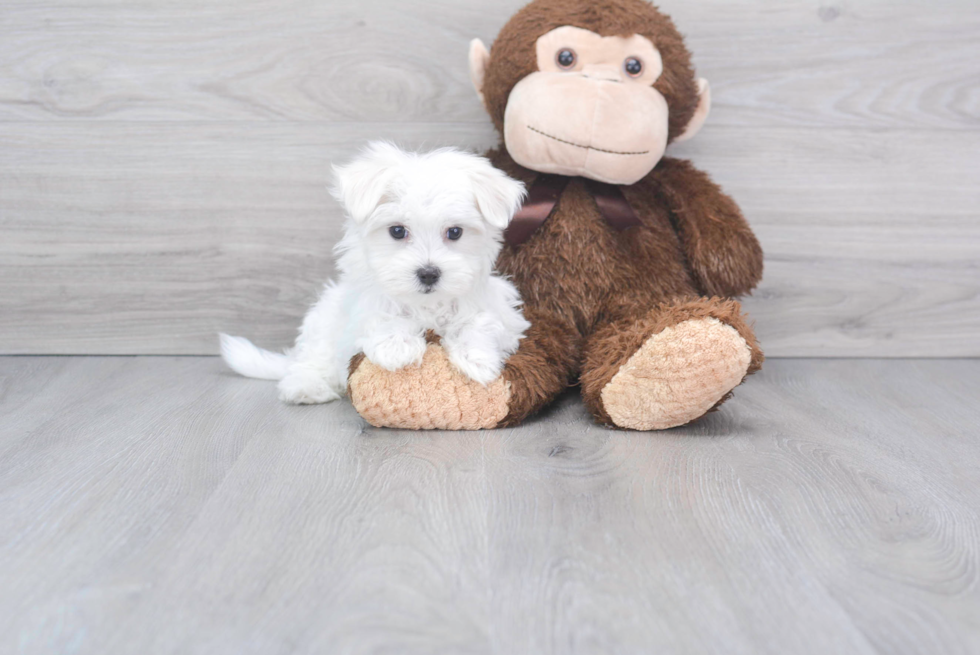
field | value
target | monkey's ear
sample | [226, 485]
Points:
[361, 185]
[498, 197]
[700, 114]
[479, 57]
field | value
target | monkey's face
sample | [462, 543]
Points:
[603, 107]
[590, 109]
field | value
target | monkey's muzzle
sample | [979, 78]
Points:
[571, 124]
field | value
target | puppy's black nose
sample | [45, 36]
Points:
[428, 275]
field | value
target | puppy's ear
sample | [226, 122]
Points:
[498, 197]
[360, 186]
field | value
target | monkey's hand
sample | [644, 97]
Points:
[720, 247]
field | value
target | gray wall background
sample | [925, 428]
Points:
[163, 163]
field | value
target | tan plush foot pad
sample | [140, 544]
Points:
[677, 375]
[432, 396]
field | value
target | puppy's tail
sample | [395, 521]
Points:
[245, 359]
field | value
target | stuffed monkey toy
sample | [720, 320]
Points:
[628, 261]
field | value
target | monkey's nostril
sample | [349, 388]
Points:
[428, 275]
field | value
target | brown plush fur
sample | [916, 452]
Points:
[588, 287]
[594, 295]
[721, 250]
[615, 342]
[513, 56]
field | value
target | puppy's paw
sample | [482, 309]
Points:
[306, 387]
[395, 351]
[478, 364]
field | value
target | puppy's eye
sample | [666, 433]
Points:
[566, 58]
[454, 233]
[633, 66]
[397, 231]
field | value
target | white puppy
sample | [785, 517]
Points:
[421, 237]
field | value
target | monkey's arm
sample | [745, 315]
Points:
[721, 249]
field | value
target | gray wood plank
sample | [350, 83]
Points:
[163, 505]
[124, 525]
[151, 237]
[858, 64]
[831, 508]
[148, 238]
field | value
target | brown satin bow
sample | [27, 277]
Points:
[543, 197]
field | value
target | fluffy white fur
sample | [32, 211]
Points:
[379, 304]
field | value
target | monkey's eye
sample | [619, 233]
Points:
[454, 233]
[397, 231]
[633, 66]
[566, 58]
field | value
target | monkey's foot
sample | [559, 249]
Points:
[677, 375]
[431, 396]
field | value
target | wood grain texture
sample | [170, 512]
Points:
[163, 164]
[825, 497]
[162, 482]
[150, 238]
[855, 64]
[161, 505]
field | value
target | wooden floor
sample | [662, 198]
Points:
[162, 505]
